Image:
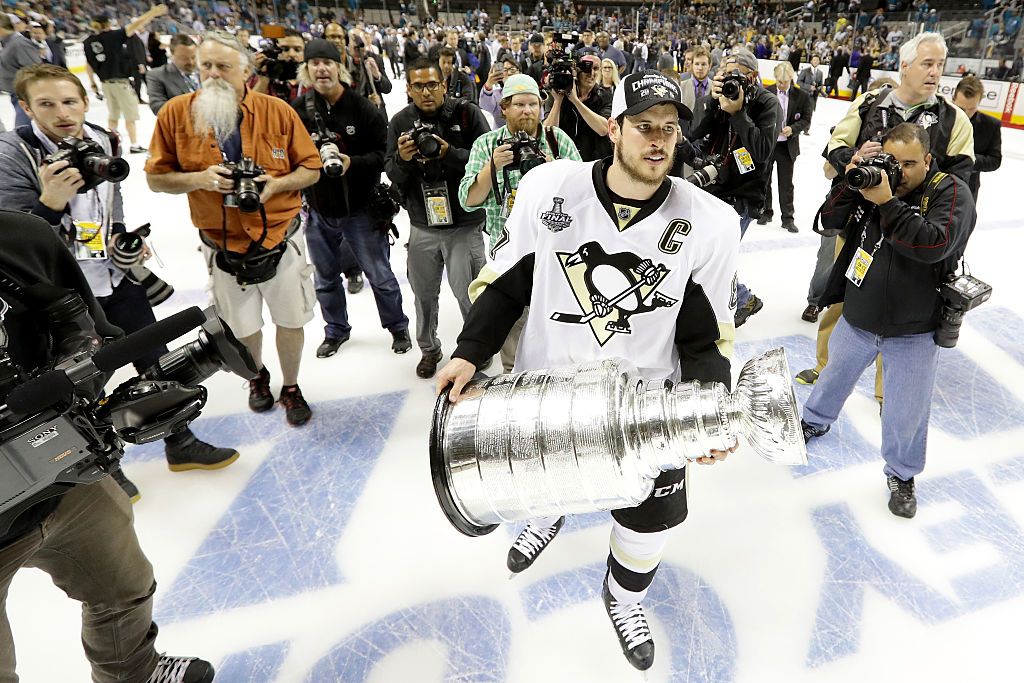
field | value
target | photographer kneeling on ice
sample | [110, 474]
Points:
[906, 226]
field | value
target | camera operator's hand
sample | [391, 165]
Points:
[444, 147]
[216, 178]
[879, 194]
[269, 187]
[457, 372]
[407, 149]
[574, 97]
[60, 184]
[503, 156]
[869, 149]
[371, 67]
[346, 162]
[495, 76]
[727, 105]
[258, 60]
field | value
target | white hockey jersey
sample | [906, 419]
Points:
[655, 286]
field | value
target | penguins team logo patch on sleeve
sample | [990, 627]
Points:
[556, 220]
[611, 289]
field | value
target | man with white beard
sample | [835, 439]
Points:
[247, 251]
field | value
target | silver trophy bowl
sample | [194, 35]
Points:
[595, 436]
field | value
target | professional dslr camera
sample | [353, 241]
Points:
[526, 154]
[56, 431]
[330, 154]
[88, 157]
[959, 294]
[127, 255]
[275, 68]
[868, 173]
[735, 86]
[423, 135]
[245, 196]
[706, 170]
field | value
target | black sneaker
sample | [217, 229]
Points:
[355, 283]
[810, 313]
[330, 345]
[764, 219]
[752, 306]
[902, 499]
[296, 410]
[427, 366]
[130, 489]
[790, 226]
[401, 342]
[181, 670]
[260, 398]
[530, 544]
[192, 453]
[811, 432]
[630, 624]
[137, 149]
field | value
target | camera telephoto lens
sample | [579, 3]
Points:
[111, 169]
[863, 177]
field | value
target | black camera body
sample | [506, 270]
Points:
[959, 294]
[868, 173]
[91, 161]
[422, 133]
[330, 153]
[706, 170]
[127, 255]
[275, 68]
[735, 86]
[560, 76]
[245, 196]
[526, 152]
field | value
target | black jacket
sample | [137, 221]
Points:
[988, 148]
[798, 117]
[899, 294]
[459, 123]
[591, 145]
[362, 129]
[755, 127]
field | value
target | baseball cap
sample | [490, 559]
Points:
[744, 57]
[519, 84]
[592, 58]
[640, 91]
[320, 48]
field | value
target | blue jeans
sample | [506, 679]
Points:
[325, 238]
[908, 377]
[20, 117]
[742, 293]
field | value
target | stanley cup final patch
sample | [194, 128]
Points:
[556, 220]
[611, 289]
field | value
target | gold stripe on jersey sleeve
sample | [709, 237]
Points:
[486, 276]
[726, 339]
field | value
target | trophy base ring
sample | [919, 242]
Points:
[438, 473]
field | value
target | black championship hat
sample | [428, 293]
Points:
[640, 91]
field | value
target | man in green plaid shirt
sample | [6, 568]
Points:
[521, 106]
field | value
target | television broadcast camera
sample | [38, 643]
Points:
[275, 68]
[526, 153]
[423, 135]
[57, 431]
[868, 173]
[560, 76]
[90, 160]
[245, 196]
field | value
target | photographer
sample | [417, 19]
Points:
[535, 61]
[870, 116]
[426, 167]
[277, 66]
[585, 117]
[107, 56]
[336, 115]
[742, 130]
[903, 234]
[251, 256]
[89, 222]
[84, 539]
[496, 167]
[459, 83]
[364, 67]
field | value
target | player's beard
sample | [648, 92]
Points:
[216, 107]
[639, 170]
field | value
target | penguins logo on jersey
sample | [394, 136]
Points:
[556, 220]
[927, 119]
[611, 289]
[733, 296]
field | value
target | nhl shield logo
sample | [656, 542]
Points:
[351, 130]
[556, 220]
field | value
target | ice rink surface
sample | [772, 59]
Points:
[321, 555]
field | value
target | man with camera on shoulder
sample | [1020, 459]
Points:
[244, 185]
[739, 122]
[906, 226]
[68, 172]
[428, 147]
[580, 106]
[497, 163]
[351, 135]
[277, 66]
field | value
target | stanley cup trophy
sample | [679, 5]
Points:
[595, 436]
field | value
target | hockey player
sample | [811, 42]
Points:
[615, 259]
